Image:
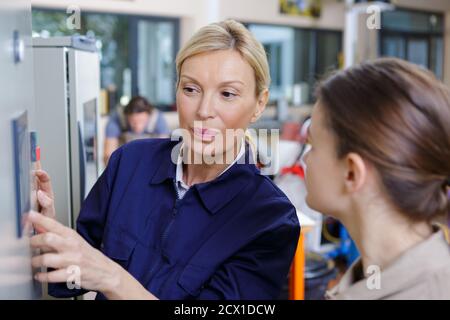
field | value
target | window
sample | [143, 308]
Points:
[298, 58]
[156, 61]
[137, 52]
[414, 36]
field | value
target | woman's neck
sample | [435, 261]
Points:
[199, 173]
[382, 234]
[203, 172]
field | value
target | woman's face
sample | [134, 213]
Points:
[216, 93]
[325, 173]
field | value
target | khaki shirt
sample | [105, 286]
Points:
[423, 272]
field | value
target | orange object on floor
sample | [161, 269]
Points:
[297, 279]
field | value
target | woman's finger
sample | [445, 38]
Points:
[49, 260]
[44, 181]
[44, 200]
[60, 275]
[48, 224]
[45, 249]
[48, 240]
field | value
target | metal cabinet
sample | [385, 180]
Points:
[67, 88]
[17, 119]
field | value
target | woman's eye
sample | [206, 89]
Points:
[189, 90]
[228, 94]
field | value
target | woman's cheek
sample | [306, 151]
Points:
[236, 114]
[307, 179]
[186, 99]
[309, 176]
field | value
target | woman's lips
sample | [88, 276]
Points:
[205, 134]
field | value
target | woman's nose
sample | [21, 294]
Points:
[206, 109]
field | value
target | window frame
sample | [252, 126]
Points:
[407, 36]
[133, 20]
[314, 40]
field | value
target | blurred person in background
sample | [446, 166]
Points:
[137, 120]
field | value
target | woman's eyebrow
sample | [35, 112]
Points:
[222, 83]
[189, 78]
[233, 81]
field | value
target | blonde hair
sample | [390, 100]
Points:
[228, 35]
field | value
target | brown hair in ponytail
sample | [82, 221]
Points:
[396, 115]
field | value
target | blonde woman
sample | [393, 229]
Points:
[164, 221]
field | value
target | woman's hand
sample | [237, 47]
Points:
[45, 194]
[76, 262]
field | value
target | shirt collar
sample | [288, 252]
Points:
[216, 193]
[420, 260]
[179, 168]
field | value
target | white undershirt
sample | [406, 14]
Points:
[182, 187]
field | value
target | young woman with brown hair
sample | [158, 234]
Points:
[380, 163]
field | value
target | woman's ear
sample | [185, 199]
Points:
[260, 105]
[356, 172]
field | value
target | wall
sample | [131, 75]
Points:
[332, 17]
